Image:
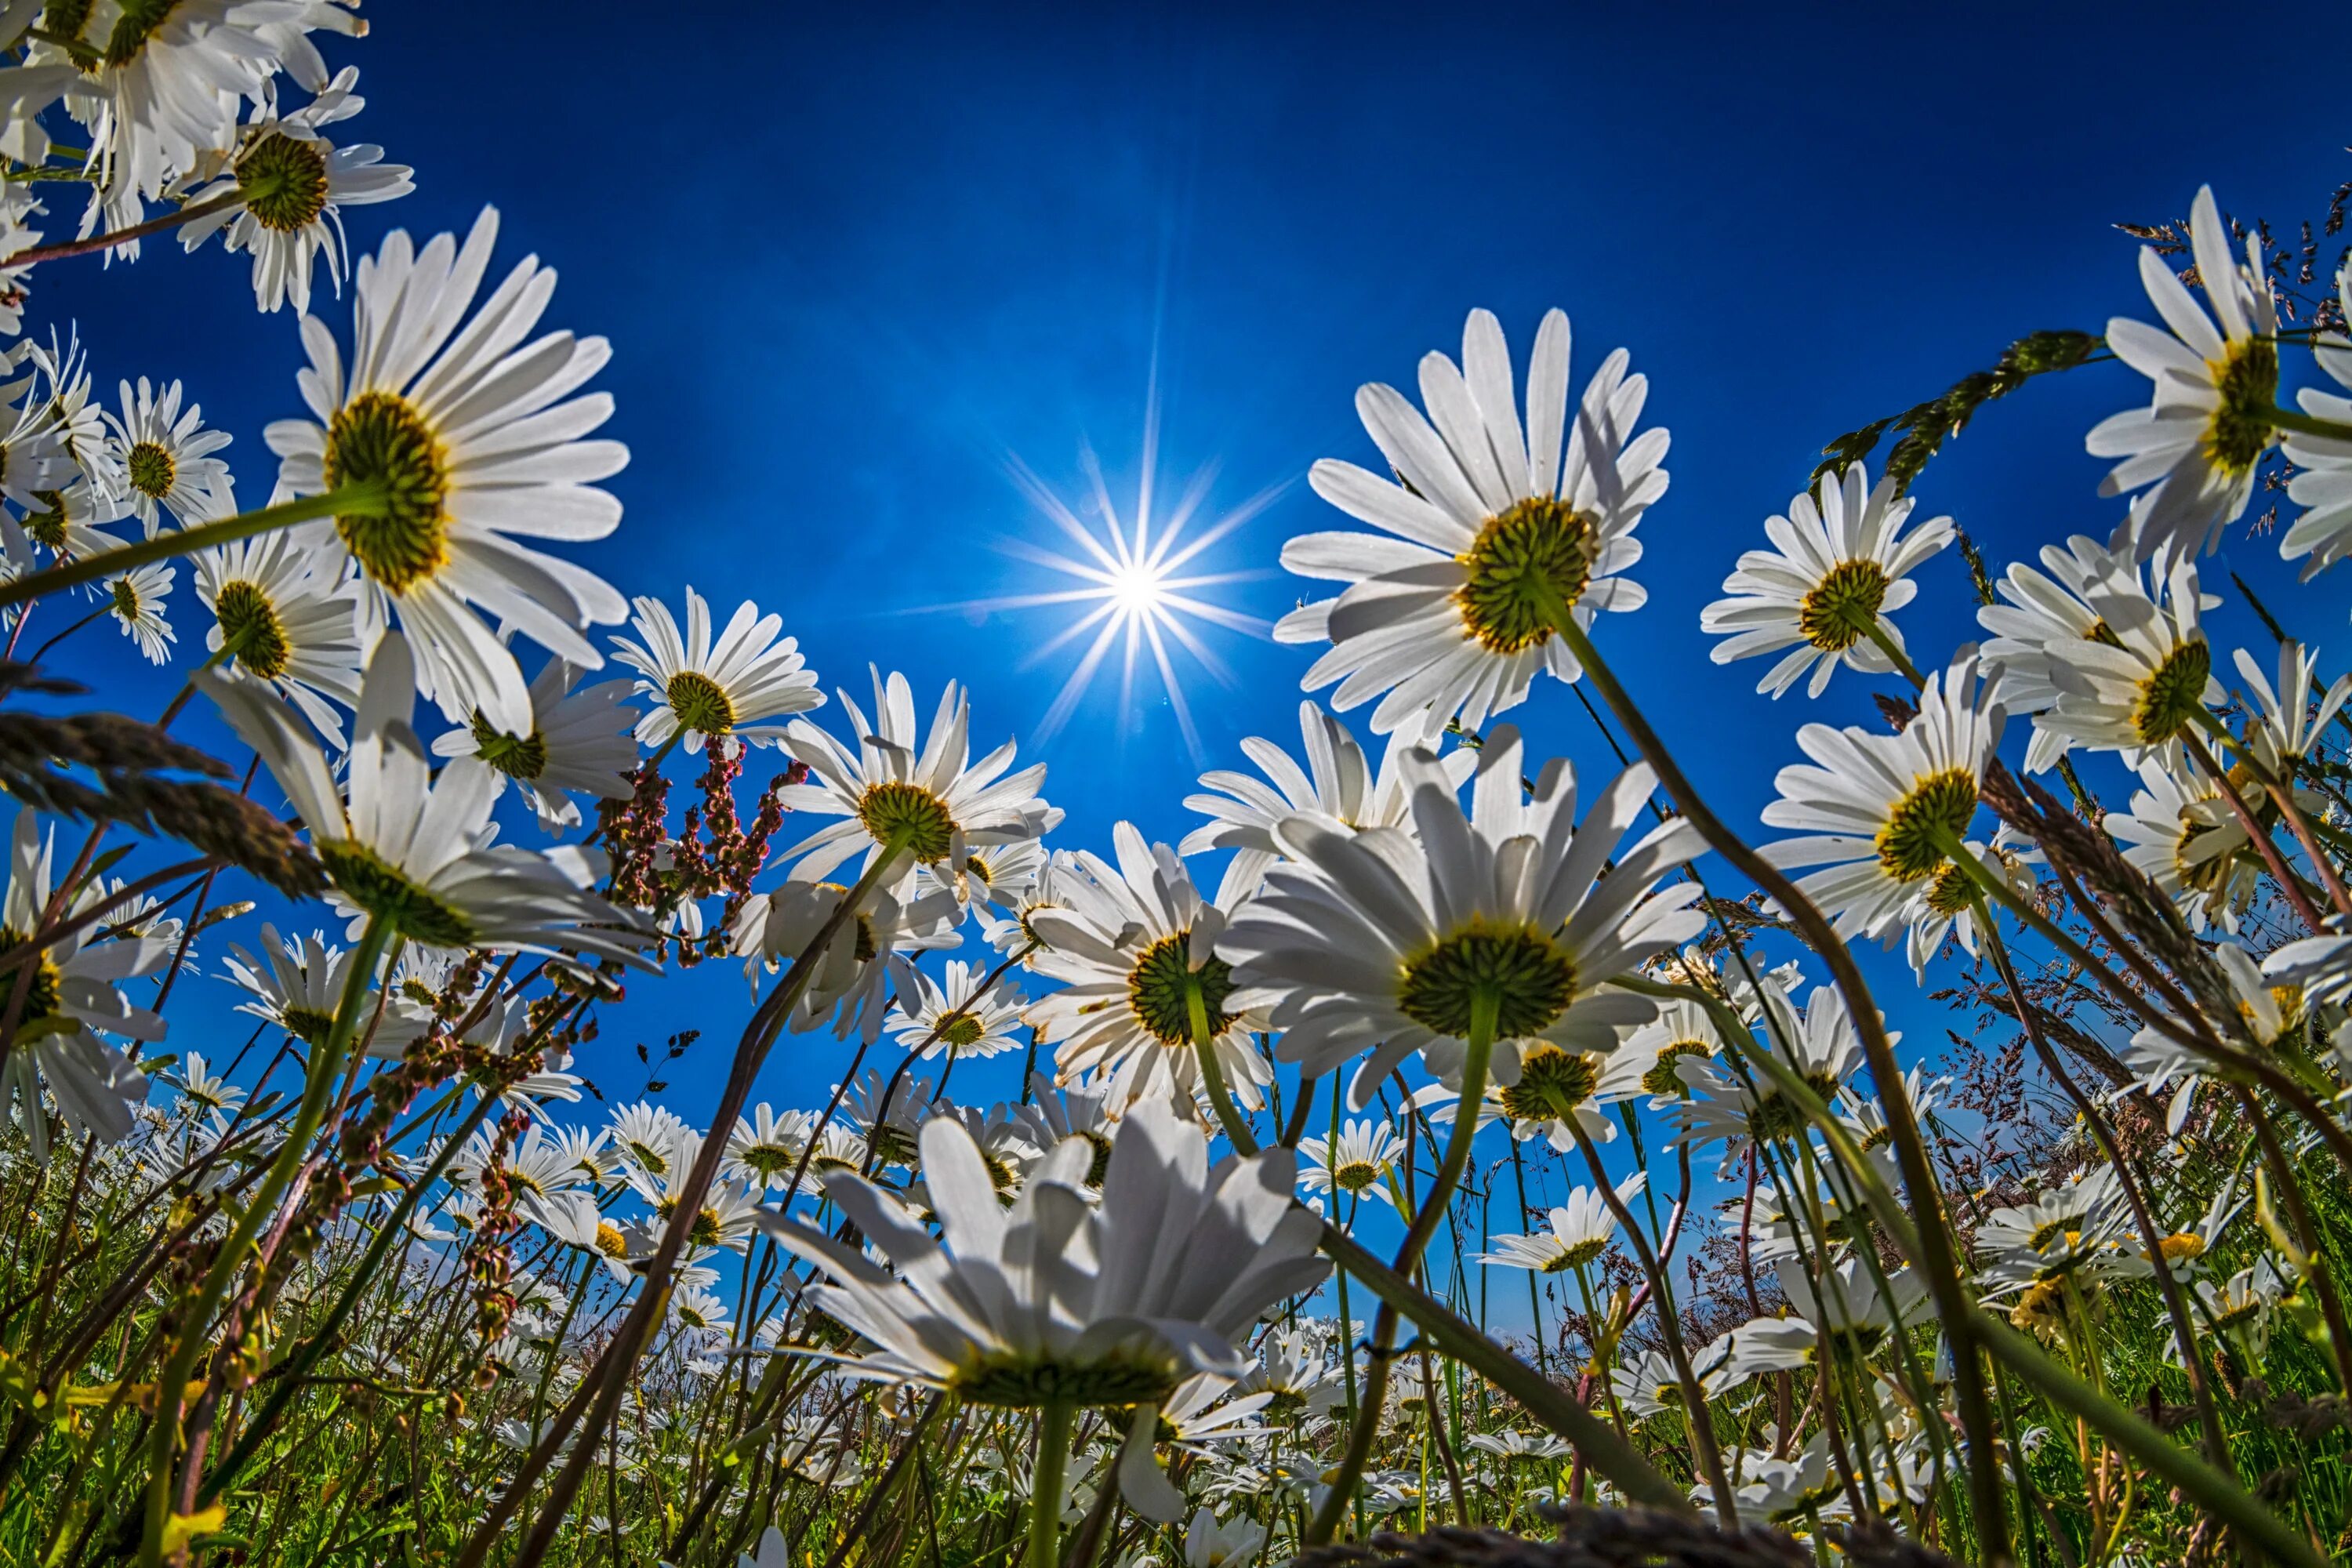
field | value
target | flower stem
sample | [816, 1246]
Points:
[2304, 423]
[1877, 633]
[368, 498]
[1237, 1130]
[58, 252]
[1047, 1476]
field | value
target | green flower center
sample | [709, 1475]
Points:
[1527, 565]
[1662, 1080]
[765, 1160]
[1159, 990]
[48, 529]
[1356, 1175]
[2173, 695]
[1010, 1381]
[516, 756]
[1774, 1115]
[126, 599]
[284, 183]
[700, 703]
[1522, 968]
[1953, 890]
[1099, 1166]
[1575, 1256]
[379, 437]
[385, 892]
[1911, 845]
[44, 997]
[1552, 1084]
[140, 20]
[308, 1024]
[152, 470]
[2240, 431]
[963, 1031]
[1841, 609]
[706, 1230]
[652, 1159]
[250, 629]
[910, 815]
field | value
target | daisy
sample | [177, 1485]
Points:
[1012, 932]
[1839, 565]
[2241, 1308]
[401, 849]
[1650, 1384]
[1213, 1543]
[1136, 954]
[1644, 1062]
[850, 982]
[1820, 1047]
[1133, 1295]
[2322, 483]
[1849, 1311]
[1336, 783]
[2046, 615]
[2195, 447]
[1078, 1109]
[2283, 729]
[649, 1138]
[1519, 1448]
[700, 691]
[1359, 1161]
[889, 1115]
[70, 522]
[202, 1093]
[77, 426]
[35, 466]
[987, 875]
[724, 1221]
[297, 986]
[1580, 1231]
[291, 185]
[573, 1220]
[167, 459]
[1882, 810]
[2146, 683]
[951, 1016]
[1377, 941]
[1293, 1366]
[2080, 1229]
[1491, 532]
[18, 204]
[538, 1166]
[1556, 1096]
[138, 598]
[70, 996]
[479, 442]
[762, 1152]
[1003, 1140]
[921, 798]
[1946, 905]
[2184, 837]
[283, 625]
[578, 742]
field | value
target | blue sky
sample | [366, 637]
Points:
[854, 266]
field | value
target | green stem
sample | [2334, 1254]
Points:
[1877, 633]
[1237, 1130]
[318, 1090]
[2304, 423]
[1047, 1478]
[368, 497]
[59, 251]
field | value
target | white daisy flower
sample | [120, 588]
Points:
[1644, 1062]
[70, 996]
[2195, 447]
[2143, 685]
[1150, 1285]
[1011, 934]
[649, 1138]
[1493, 532]
[201, 1091]
[2081, 1229]
[70, 522]
[283, 624]
[1078, 1109]
[1358, 1161]
[1820, 1047]
[297, 986]
[74, 427]
[1882, 808]
[725, 1220]
[762, 1152]
[1839, 565]
[1946, 905]
[925, 796]
[538, 1165]
[2045, 615]
[1377, 941]
[137, 605]
[1213, 1543]
[2284, 727]
[402, 848]
[701, 689]
[952, 1013]
[1849, 1311]
[578, 742]
[1580, 1231]
[851, 984]
[1135, 948]
[18, 205]
[573, 1220]
[1336, 784]
[167, 459]
[291, 185]
[480, 442]
[1650, 1384]
[2183, 835]
[2322, 483]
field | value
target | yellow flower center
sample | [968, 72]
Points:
[1159, 991]
[1532, 980]
[1552, 1084]
[284, 183]
[1843, 606]
[250, 629]
[1910, 845]
[1528, 564]
[379, 437]
[2173, 694]
[700, 703]
[151, 470]
[910, 816]
[2240, 430]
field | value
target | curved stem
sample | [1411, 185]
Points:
[368, 497]
[1213, 1076]
[1935, 1254]
[318, 1090]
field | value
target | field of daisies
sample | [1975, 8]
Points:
[1237, 1277]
